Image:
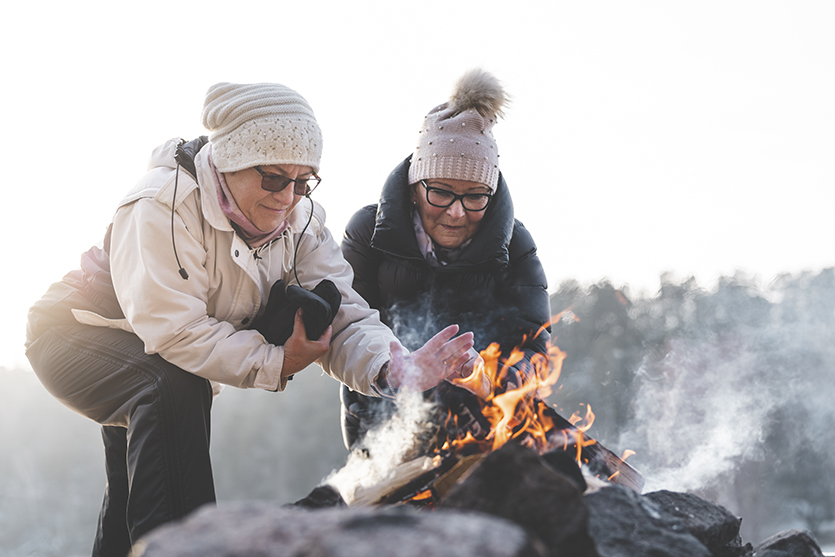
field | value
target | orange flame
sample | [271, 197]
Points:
[519, 411]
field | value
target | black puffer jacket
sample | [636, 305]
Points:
[496, 288]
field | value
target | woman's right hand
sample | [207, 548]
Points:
[433, 362]
[299, 352]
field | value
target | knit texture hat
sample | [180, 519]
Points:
[456, 141]
[260, 124]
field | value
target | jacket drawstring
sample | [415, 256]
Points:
[257, 254]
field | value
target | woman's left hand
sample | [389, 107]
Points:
[299, 352]
[471, 376]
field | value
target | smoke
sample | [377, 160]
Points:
[725, 393]
[392, 442]
[699, 412]
[738, 378]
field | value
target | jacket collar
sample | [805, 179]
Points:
[395, 234]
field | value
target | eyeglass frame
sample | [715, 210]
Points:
[456, 197]
[296, 182]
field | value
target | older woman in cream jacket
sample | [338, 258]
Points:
[172, 305]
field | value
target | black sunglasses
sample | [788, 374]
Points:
[473, 202]
[276, 182]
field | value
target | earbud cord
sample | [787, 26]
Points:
[183, 272]
[296, 251]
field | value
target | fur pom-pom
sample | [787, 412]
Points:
[480, 90]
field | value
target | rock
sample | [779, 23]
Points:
[564, 463]
[735, 548]
[624, 524]
[711, 524]
[789, 543]
[272, 531]
[515, 483]
[321, 497]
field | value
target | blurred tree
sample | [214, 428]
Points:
[689, 370]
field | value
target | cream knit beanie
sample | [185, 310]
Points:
[456, 141]
[260, 124]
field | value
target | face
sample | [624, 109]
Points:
[449, 226]
[266, 210]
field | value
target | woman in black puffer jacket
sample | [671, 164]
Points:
[443, 247]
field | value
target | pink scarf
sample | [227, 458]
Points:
[246, 230]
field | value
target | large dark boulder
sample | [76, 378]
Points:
[790, 543]
[713, 525]
[515, 483]
[624, 524]
[263, 530]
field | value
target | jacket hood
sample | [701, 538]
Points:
[163, 155]
[395, 234]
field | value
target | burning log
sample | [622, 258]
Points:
[600, 461]
[402, 481]
[520, 413]
[515, 411]
[425, 481]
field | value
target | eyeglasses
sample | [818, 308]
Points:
[438, 197]
[276, 182]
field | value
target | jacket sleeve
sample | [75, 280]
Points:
[170, 314]
[363, 259]
[526, 290]
[360, 342]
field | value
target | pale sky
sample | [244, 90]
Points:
[643, 138]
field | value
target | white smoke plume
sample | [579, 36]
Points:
[746, 379]
[386, 446]
[699, 412]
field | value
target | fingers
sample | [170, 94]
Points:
[457, 366]
[454, 349]
[326, 336]
[474, 362]
[473, 378]
[300, 330]
[436, 342]
[298, 324]
[299, 352]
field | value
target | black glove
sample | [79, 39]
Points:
[319, 306]
[276, 323]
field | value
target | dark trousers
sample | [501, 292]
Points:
[155, 421]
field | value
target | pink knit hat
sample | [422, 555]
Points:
[456, 141]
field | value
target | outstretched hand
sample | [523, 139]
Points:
[299, 351]
[440, 357]
[471, 376]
